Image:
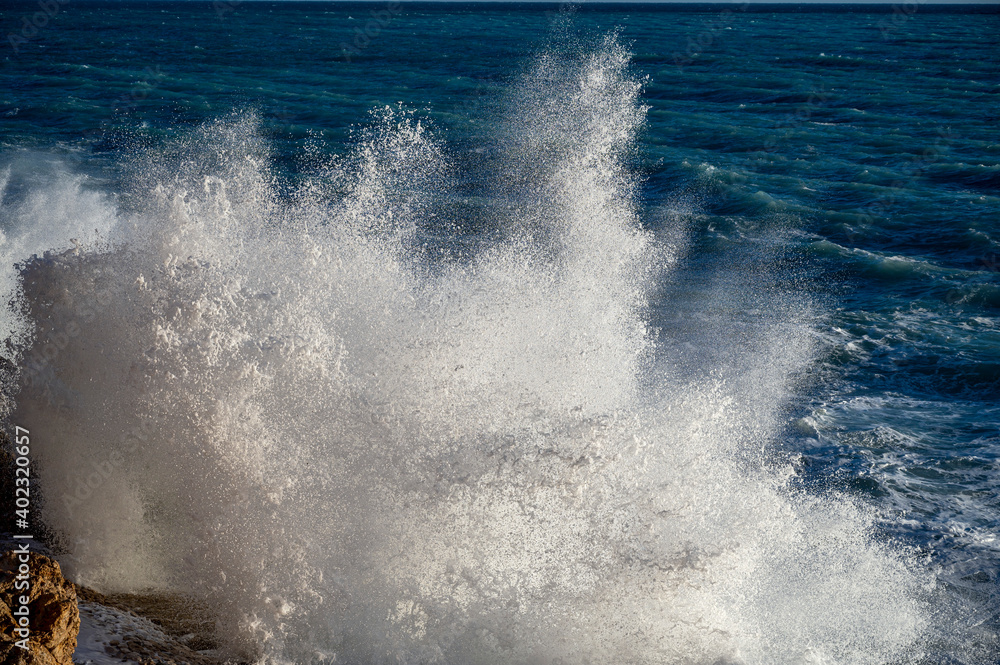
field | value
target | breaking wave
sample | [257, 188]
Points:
[280, 400]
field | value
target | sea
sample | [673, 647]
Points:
[514, 333]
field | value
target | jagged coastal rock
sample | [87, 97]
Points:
[54, 617]
[73, 625]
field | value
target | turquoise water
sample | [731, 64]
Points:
[818, 198]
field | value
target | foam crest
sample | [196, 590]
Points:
[43, 207]
[356, 453]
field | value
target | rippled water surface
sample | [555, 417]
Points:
[507, 333]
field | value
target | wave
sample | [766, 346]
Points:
[278, 399]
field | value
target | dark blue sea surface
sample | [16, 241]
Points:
[828, 179]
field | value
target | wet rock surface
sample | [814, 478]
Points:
[117, 635]
[53, 614]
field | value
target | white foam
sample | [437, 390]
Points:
[100, 625]
[281, 405]
[55, 210]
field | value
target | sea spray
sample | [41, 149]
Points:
[356, 453]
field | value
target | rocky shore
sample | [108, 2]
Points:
[71, 624]
[39, 614]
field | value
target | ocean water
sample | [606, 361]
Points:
[506, 333]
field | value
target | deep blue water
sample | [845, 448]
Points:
[843, 162]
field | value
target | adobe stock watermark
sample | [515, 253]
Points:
[901, 13]
[565, 10]
[473, 100]
[378, 22]
[39, 376]
[917, 165]
[38, 373]
[129, 101]
[803, 113]
[140, 91]
[283, 117]
[706, 38]
[21, 611]
[958, 295]
[33, 24]
[223, 8]
[89, 480]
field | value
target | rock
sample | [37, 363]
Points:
[53, 613]
[181, 617]
[108, 632]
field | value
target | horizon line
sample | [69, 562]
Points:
[580, 3]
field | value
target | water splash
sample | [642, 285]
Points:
[355, 453]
